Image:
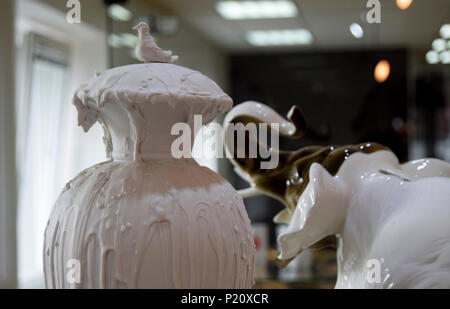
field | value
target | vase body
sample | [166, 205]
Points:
[158, 224]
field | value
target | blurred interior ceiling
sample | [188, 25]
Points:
[327, 20]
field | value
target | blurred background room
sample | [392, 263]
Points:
[356, 80]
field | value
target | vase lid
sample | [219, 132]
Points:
[155, 81]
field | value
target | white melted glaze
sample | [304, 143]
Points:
[144, 219]
[142, 102]
[161, 224]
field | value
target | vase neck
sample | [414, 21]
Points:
[148, 131]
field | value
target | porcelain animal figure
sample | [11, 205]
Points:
[391, 220]
[147, 50]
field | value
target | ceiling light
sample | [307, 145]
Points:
[445, 31]
[129, 39]
[382, 71]
[280, 37]
[432, 57]
[439, 45]
[118, 12]
[256, 9]
[356, 30]
[445, 57]
[114, 40]
[403, 4]
[122, 40]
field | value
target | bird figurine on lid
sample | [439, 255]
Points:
[147, 50]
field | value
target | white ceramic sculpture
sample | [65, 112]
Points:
[391, 220]
[147, 50]
[144, 219]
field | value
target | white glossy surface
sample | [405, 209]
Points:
[263, 113]
[403, 224]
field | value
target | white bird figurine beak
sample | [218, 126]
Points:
[147, 50]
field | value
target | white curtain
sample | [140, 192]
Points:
[39, 158]
[39, 120]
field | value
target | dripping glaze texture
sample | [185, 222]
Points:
[145, 219]
[157, 224]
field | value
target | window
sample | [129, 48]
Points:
[38, 121]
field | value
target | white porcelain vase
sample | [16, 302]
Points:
[145, 219]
